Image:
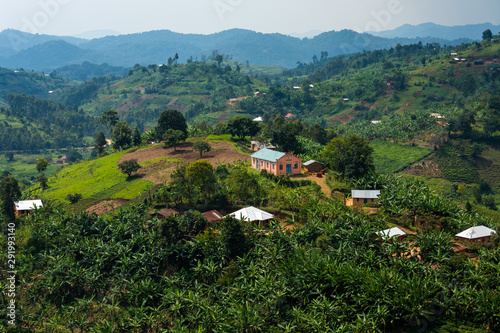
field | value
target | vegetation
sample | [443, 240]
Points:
[350, 157]
[129, 166]
[319, 266]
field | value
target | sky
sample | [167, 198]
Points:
[73, 17]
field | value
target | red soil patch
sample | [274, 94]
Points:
[158, 173]
[106, 206]
[127, 106]
[343, 118]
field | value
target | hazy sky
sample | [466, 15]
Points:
[70, 17]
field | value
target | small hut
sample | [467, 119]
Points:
[164, 213]
[252, 214]
[213, 216]
[27, 206]
[477, 234]
[313, 166]
[392, 232]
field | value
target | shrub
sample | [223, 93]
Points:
[74, 198]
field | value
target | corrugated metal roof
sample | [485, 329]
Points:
[268, 155]
[28, 204]
[252, 214]
[311, 162]
[212, 215]
[388, 233]
[476, 232]
[365, 194]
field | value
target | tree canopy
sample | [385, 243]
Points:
[122, 135]
[171, 119]
[173, 137]
[129, 166]
[242, 126]
[351, 157]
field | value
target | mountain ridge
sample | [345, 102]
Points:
[155, 47]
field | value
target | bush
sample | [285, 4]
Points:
[74, 198]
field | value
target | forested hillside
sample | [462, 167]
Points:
[121, 244]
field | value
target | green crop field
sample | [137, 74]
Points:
[391, 157]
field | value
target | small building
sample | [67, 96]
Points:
[375, 122]
[27, 206]
[252, 214]
[164, 213]
[454, 54]
[477, 234]
[289, 116]
[296, 88]
[361, 197]
[276, 162]
[313, 166]
[345, 99]
[213, 216]
[258, 119]
[392, 232]
[257, 93]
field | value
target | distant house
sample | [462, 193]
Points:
[27, 206]
[477, 234]
[437, 115]
[164, 213]
[361, 197]
[375, 122]
[392, 232]
[289, 116]
[233, 101]
[258, 119]
[276, 162]
[454, 54]
[252, 214]
[257, 93]
[345, 100]
[62, 160]
[313, 166]
[213, 216]
[296, 88]
[257, 145]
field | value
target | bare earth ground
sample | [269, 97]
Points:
[158, 173]
[106, 206]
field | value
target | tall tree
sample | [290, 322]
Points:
[9, 193]
[100, 142]
[201, 175]
[122, 135]
[136, 137]
[170, 119]
[129, 166]
[242, 126]
[41, 164]
[109, 118]
[350, 157]
[202, 147]
[173, 137]
[487, 35]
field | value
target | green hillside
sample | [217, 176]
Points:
[30, 83]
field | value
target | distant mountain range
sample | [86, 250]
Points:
[45, 53]
[471, 31]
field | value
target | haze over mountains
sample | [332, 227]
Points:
[45, 53]
[471, 31]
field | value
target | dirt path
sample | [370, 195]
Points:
[320, 181]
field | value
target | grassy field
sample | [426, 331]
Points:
[95, 180]
[23, 167]
[391, 157]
